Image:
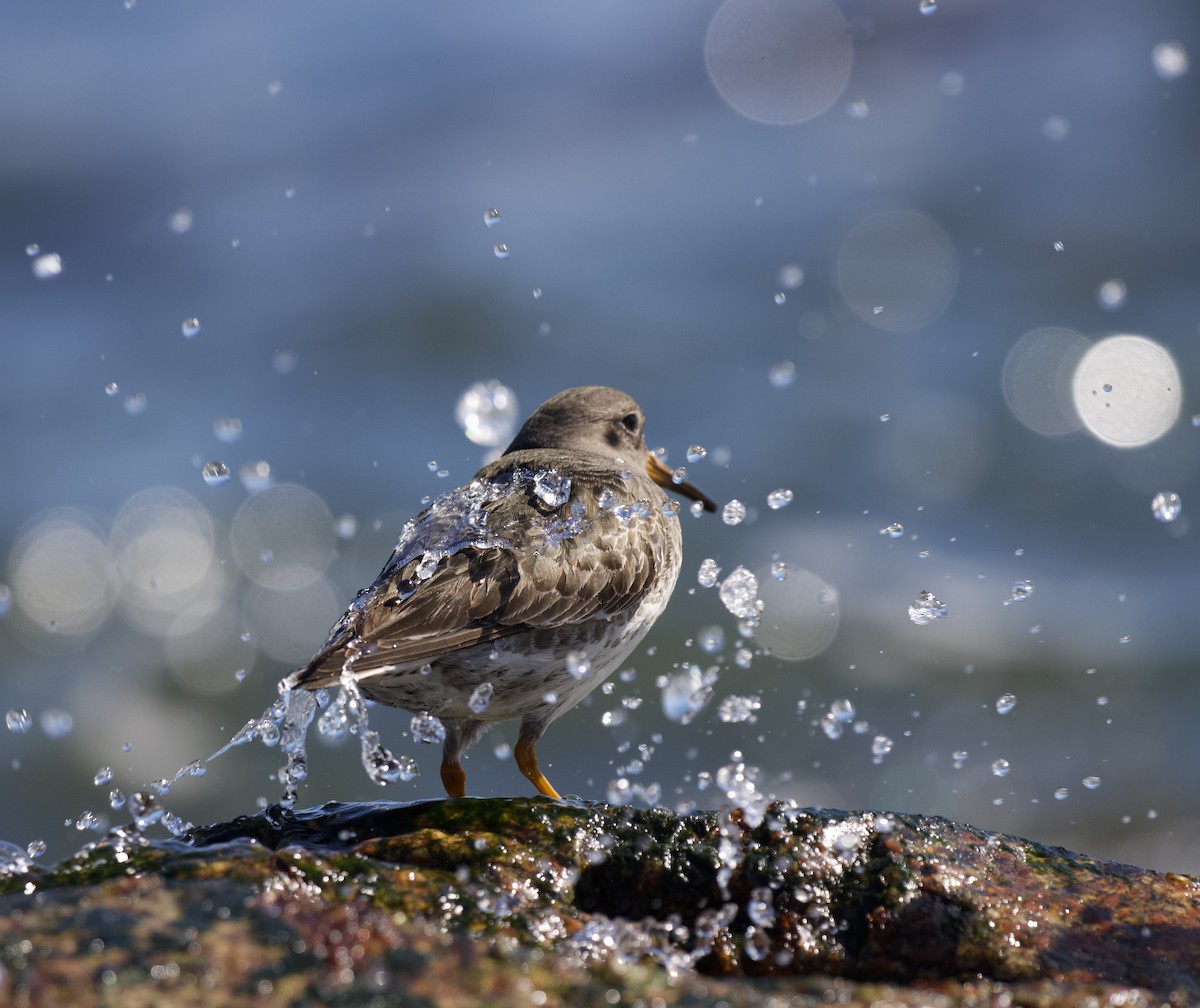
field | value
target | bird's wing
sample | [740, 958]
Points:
[547, 574]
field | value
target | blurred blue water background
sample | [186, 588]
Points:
[812, 238]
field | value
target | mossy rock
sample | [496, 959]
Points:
[529, 901]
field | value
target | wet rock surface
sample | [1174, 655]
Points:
[536, 902]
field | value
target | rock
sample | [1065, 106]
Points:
[528, 901]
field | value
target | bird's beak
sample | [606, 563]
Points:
[662, 474]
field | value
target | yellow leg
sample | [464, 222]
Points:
[454, 777]
[528, 765]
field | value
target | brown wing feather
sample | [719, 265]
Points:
[480, 595]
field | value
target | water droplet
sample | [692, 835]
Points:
[781, 298]
[500, 250]
[734, 513]
[481, 697]
[927, 7]
[256, 477]
[697, 453]
[881, 745]
[180, 221]
[190, 327]
[426, 728]
[739, 593]
[708, 573]
[1091, 783]
[57, 723]
[782, 375]
[926, 608]
[1061, 794]
[893, 531]
[885, 417]
[428, 565]
[1166, 505]
[47, 266]
[103, 776]
[777, 499]
[1111, 294]
[1170, 60]
[18, 721]
[959, 757]
[1000, 767]
[32, 249]
[112, 388]
[711, 639]
[679, 475]
[135, 404]
[537, 293]
[738, 709]
[491, 217]
[1005, 703]
[1021, 590]
[791, 276]
[215, 473]
[227, 429]
[578, 664]
[487, 413]
[1058, 246]
[760, 907]
[145, 808]
[551, 489]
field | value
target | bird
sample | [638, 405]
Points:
[517, 594]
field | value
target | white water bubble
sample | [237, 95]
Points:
[696, 453]
[47, 266]
[778, 61]
[781, 298]
[777, 499]
[711, 639]
[227, 429]
[1020, 591]
[1005, 703]
[112, 389]
[782, 374]
[180, 222]
[926, 608]
[1127, 391]
[427, 728]
[1037, 379]
[500, 250]
[487, 413]
[897, 270]
[738, 709]
[1000, 767]
[734, 513]
[1170, 60]
[215, 473]
[893, 531]
[1112, 294]
[1061, 794]
[481, 697]
[927, 7]
[190, 327]
[57, 723]
[708, 573]
[739, 593]
[1166, 505]
[1091, 783]
[579, 665]
[491, 217]
[800, 614]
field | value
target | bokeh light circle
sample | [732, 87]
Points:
[1037, 379]
[800, 614]
[897, 270]
[283, 538]
[778, 61]
[62, 575]
[1127, 391]
[291, 625]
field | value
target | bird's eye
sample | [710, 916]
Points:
[630, 422]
